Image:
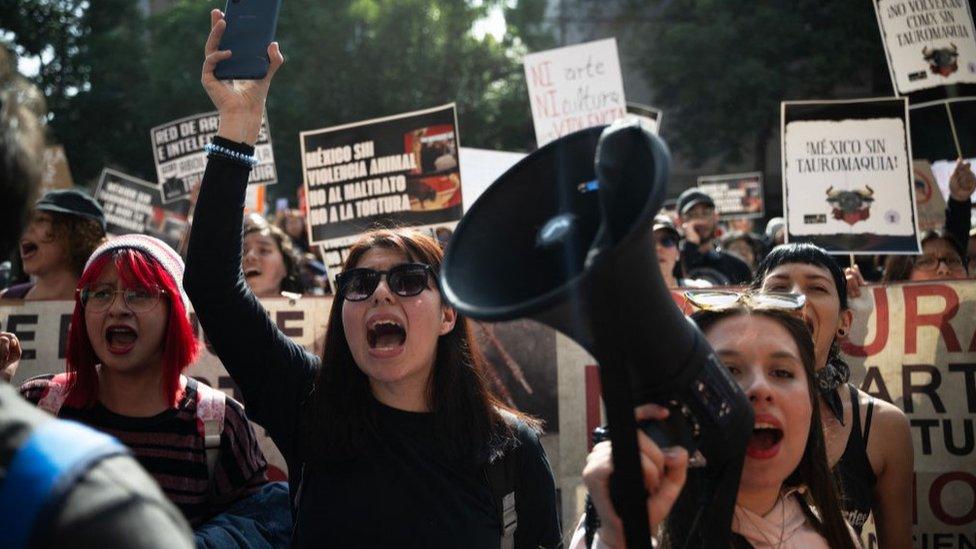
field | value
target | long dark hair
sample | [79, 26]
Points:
[467, 416]
[292, 259]
[813, 472]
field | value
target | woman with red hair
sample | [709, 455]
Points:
[130, 341]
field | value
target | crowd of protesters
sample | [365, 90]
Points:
[392, 435]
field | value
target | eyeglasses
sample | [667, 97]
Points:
[720, 300]
[101, 297]
[931, 262]
[406, 280]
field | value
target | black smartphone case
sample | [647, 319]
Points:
[250, 28]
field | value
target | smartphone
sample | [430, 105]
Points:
[250, 28]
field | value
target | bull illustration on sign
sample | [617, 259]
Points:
[851, 206]
[943, 60]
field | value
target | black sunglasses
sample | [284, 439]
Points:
[406, 280]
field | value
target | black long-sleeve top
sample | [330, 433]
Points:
[958, 220]
[402, 490]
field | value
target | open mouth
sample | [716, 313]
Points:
[764, 442]
[385, 335]
[120, 339]
[252, 272]
[27, 249]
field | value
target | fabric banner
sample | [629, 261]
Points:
[929, 44]
[132, 205]
[396, 171]
[736, 196]
[178, 151]
[847, 176]
[928, 197]
[42, 327]
[574, 87]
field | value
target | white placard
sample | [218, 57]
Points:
[929, 43]
[574, 88]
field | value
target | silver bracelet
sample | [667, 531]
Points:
[250, 160]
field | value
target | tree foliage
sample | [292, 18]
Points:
[720, 68]
[111, 74]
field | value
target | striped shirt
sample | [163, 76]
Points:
[171, 448]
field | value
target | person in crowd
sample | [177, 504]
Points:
[66, 226]
[962, 184]
[744, 246]
[943, 258]
[271, 264]
[666, 240]
[391, 436]
[787, 497]
[129, 342]
[292, 222]
[775, 232]
[868, 440]
[109, 501]
[701, 259]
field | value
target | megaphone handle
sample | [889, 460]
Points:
[626, 483]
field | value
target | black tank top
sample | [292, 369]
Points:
[854, 470]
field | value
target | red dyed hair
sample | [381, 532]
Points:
[136, 270]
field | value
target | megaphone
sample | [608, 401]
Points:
[565, 237]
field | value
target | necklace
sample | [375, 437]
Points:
[782, 523]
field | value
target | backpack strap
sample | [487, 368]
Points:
[502, 477]
[57, 392]
[210, 420]
[43, 471]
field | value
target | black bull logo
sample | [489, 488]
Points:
[943, 60]
[851, 206]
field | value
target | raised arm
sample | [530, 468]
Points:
[962, 183]
[273, 372]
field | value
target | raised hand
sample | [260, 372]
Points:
[962, 182]
[10, 354]
[240, 102]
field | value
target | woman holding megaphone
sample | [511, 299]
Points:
[392, 438]
[786, 497]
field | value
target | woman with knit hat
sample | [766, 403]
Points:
[130, 341]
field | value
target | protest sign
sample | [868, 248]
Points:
[649, 117]
[399, 170]
[736, 196]
[574, 87]
[847, 176]
[928, 198]
[178, 151]
[480, 168]
[42, 327]
[132, 205]
[929, 44]
[56, 173]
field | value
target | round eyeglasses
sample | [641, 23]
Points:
[99, 298]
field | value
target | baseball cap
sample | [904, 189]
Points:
[72, 202]
[692, 197]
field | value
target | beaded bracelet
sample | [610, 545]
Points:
[231, 154]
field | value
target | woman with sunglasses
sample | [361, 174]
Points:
[868, 440]
[129, 342]
[786, 498]
[666, 240]
[392, 438]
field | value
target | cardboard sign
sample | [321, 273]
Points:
[480, 168]
[736, 196]
[928, 198]
[132, 205]
[847, 176]
[574, 88]
[396, 171]
[929, 44]
[178, 151]
[649, 117]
